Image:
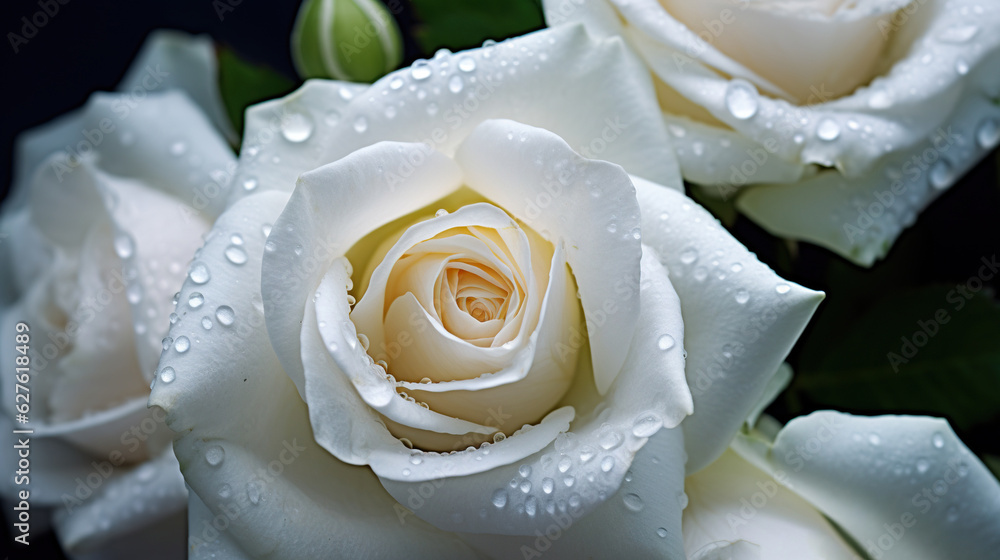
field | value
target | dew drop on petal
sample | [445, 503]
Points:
[455, 84]
[941, 175]
[206, 323]
[782, 288]
[499, 498]
[607, 463]
[182, 344]
[195, 300]
[215, 455]
[633, 502]
[236, 255]
[360, 124]
[662, 533]
[296, 127]
[742, 296]
[665, 342]
[548, 485]
[988, 133]
[124, 247]
[249, 184]
[646, 425]
[420, 70]
[225, 315]
[167, 374]
[828, 130]
[741, 99]
[199, 273]
[937, 440]
[467, 64]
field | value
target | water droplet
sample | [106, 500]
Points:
[499, 436]
[564, 464]
[951, 514]
[265, 230]
[828, 130]
[420, 70]
[396, 82]
[455, 84]
[782, 288]
[249, 184]
[167, 374]
[568, 480]
[741, 99]
[742, 296]
[432, 109]
[296, 127]
[548, 485]
[937, 440]
[178, 148]
[531, 506]
[253, 492]
[941, 175]
[923, 465]
[524, 471]
[609, 439]
[236, 255]
[874, 439]
[390, 112]
[167, 342]
[988, 133]
[662, 533]
[586, 453]
[360, 124]
[607, 463]
[962, 67]
[689, 255]
[646, 425]
[173, 317]
[633, 502]
[332, 117]
[466, 64]
[124, 247]
[215, 455]
[225, 491]
[665, 342]
[526, 486]
[225, 315]
[499, 498]
[134, 292]
[206, 323]
[879, 100]
[182, 344]
[195, 300]
[682, 499]
[199, 273]
[612, 228]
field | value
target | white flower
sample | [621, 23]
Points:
[108, 204]
[291, 433]
[850, 116]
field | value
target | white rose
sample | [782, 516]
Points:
[850, 116]
[291, 433]
[103, 216]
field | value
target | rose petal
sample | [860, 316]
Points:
[440, 105]
[175, 60]
[861, 217]
[740, 318]
[291, 498]
[641, 520]
[148, 501]
[901, 486]
[507, 161]
[777, 522]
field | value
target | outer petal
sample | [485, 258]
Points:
[732, 501]
[552, 79]
[902, 486]
[740, 318]
[860, 217]
[285, 496]
[641, 520]
[176, 60]
[144, 504]
[508, 161]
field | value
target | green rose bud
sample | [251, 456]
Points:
[354, 40]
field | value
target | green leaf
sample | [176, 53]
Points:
[242, 83]
[927, 351]
[462, 24]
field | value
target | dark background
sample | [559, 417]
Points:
[88, 46]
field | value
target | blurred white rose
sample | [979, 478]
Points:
[107, 205]
[846, 118]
